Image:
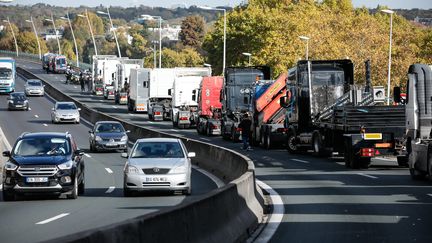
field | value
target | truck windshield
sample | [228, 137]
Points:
[5, 73]
[245, 78]
[61, 61]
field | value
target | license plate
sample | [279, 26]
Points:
[36, 179]
[111, 144]
[18, 106]
[156, 179]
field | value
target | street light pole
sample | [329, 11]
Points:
[224, 34]
[306, 38]
[160, 35]
[388, 11]
[112, 28]
[73, 36]
[55, 31]
[91, 30]
[13, 34]
[36, 34]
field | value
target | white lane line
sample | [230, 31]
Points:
[174, 130]
[115, 107]
[1, 187]
[109, 170]
[275, 218]
[130, 114]
[205, 139]
[301, 161]
[430, 195]
[219, 183]
[29, 109]
[45, 125]
[366, 175]
[150, 122]
[87, 155]
[53, 218]
[110, 189]
[5, 141]
[36, 116]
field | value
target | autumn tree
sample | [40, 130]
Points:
[192, 31]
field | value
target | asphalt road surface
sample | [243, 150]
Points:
[321, 200]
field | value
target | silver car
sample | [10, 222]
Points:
[34, 87]
[108, 135]
[161, 164]
[65, 112]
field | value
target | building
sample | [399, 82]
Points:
[423, 21]
[169, 32]
[50, 34]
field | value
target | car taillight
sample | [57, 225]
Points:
[157, 113]
[214, 127]
[111, 93]
[367, 152]
[183, 118]
[238, 129]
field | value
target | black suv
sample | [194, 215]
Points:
[18, 101]
[43, 163]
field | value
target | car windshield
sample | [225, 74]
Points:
[109, 127]
[34, 83]
[42, 147]
[5, 73]
[66, 106]
[157, 150]
[18, 96]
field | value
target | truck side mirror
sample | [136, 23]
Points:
[194, 97]
[282, 101]
[169, 91]
[397, 94]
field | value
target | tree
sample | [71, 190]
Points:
[27, 43]
[192, 31]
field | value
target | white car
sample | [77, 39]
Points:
[34, 87]
[65, 112]
[160, 164]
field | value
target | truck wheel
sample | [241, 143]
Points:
[268, 143]
[292, 143]
[416, 174]
[402, 161]
[318, 148]
[208, 133]
[224, 135]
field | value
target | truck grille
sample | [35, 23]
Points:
[37, 170]
[152, 171]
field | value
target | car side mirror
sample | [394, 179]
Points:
[9, 98]
[90, 131]
[169, 92]
[194, 97]
[191, 154]
[6, 153]
[124, 155]
[79, 152]
[397, 94]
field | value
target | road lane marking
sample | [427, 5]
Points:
[115, 107]
[205, 139]
[150, 122]
[45, 125]
[53, 218]
[301, 161]
[366, 175]
[110, 189]
[130, 114]
[87, 155]
[274, 220]
[5, 141]
[29, 109]
[36, 116]
[174, 130]
[109, 170]
[219, 183]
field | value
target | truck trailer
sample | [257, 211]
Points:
[327, 113]
[7, 74]
[160, 81]
[138, 95]
[209, 106]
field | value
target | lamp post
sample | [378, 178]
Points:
[306, 38]
[73, 36]
[388, 11]
[55, 32]
[13, 34]
[112, 28]
[160, 35]
[224, 34]
[248, 55]
[91, 30]
[154, 53]
[36, 34]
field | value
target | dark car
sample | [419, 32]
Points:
[18, 101]
[42, 163]
[108, 135]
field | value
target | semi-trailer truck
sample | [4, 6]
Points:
[209, 106]
[7, 74]
[138, 95]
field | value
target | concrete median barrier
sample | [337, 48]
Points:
[227, 214]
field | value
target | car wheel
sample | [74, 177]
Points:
[188, 192]
[81, 187]
[74, 192]
[8, 196]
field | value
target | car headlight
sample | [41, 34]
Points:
[25, 101]
[11, 101]
[124, 138]
[130, 169]
[65, 166]
[97, 138]
[179, 170]
[10, 166]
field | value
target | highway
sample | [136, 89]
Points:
[321, 200]
[34, 219]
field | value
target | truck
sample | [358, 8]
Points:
[209, 106]
[124, 70]
[327, 113]
[237, 95]
[46, 60]
[104, 70]
[7, 74]
[418, 109]
[268, 114]
[58, 64]
[184, 104]
[160, 81]
[138, 95]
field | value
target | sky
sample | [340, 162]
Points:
[405, 4]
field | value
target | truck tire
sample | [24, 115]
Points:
[208, 131]
[318, 148]
[292, 143]
[402, 160]
[267, 138]
[224, 135]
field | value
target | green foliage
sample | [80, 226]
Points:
[188, 57]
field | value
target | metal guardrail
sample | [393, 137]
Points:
[35, 57]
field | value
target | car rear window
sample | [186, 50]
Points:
[157, 150]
